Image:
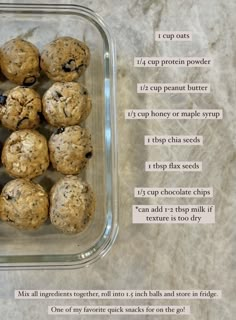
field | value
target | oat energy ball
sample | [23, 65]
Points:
[72, 204]
[70, 149]
[24, 204]
[65, 59]
[20, 61]
[66, 104]
[25, 154]
[20, 108]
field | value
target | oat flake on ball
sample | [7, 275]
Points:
[20, 62]
[65, 59]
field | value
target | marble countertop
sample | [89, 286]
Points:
[162, 256]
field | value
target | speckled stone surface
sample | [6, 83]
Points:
[162, 256]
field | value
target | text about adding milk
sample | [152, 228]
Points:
[174, 214]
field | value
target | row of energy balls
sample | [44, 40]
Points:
[26, 153]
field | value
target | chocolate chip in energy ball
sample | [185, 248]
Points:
[57, 95]
[8, 197]
[89, 155]
[3, 100]
[60, 130]
[41, 117]
[69, 66]
[29, 81]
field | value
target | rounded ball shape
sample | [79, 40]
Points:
[20, 62]
[72, 204]
[25, 154]
[65, 59]
[24, 204]
[66, 104]
[70, 149]
[20, 109]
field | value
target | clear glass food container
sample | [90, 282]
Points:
[47, 247]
